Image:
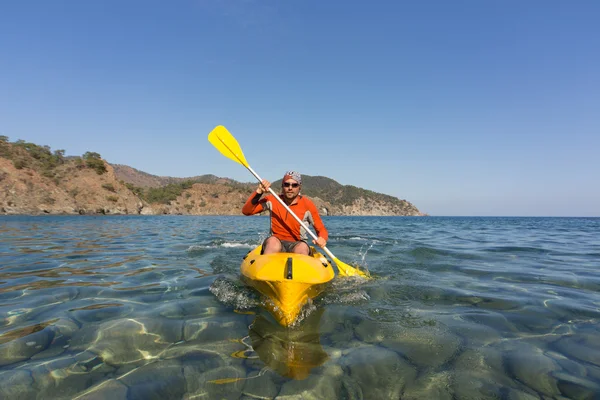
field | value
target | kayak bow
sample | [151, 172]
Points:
[288, 280]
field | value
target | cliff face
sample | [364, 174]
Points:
[75, 191]
[34, 180]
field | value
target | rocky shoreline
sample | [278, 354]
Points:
[35, 181]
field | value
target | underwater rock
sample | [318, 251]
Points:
[110, 389]
[215, 329]
[316, 386]
[189, 308]
[22, 344]
[64, 329]
[218, 383]
[473, 334]
[260, 385]
[479, 374]
[582, 347]
[515, 394]
[436, 385]
[196, 357]
[125, 341]
[53, 351]
[371, 368]
[593, 372]
[429, 346]
[494, 320]
[370, 331]
[67, 376]
[536, 319]
[576, 387]
[531, 366]
[98, 312]
[17, 384]
[162, 380]
[169, 330]
[467, 386]
[572, 367]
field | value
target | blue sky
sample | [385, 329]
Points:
[460, 107]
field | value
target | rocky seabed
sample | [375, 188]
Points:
[190, 351]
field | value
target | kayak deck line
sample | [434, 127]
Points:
[288, 280]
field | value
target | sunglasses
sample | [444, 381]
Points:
[288, 184]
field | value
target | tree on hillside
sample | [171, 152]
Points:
[94, 160]
[60, 154]
[91, 155]
[4, 151]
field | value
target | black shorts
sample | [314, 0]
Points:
[288, 246]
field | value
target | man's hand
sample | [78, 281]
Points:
[320, 242]
[263, 187]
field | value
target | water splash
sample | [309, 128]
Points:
[305, 312]
[360, 261]
[347, 290]
[202, 248]
[363, 254]
[234, 294]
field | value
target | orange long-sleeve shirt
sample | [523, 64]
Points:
[283, 225]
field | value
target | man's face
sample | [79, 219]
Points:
[291, 188]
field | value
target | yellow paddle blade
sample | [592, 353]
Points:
[227, 145]
[347, 270]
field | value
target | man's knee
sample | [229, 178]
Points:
[271, 245]
[301, 248]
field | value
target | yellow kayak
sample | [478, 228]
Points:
[289, 280]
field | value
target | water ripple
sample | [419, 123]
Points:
[153, 307]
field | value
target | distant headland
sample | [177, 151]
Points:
[36, 180]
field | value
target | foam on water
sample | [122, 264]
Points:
[238, 245]
[204, 248]
[233, 293]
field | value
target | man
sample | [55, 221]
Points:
[287, 235]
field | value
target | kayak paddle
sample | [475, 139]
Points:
[229, 147]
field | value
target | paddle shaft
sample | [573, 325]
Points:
[229, 147]
[325, 249]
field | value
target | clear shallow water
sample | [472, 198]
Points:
[152, 307]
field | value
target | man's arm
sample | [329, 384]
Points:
[253, 205]
[318, 224]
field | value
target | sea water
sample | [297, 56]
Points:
[152, 307]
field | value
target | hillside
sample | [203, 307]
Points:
[351, 200]
[36, 180]
[145, 180]
[331, 197]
